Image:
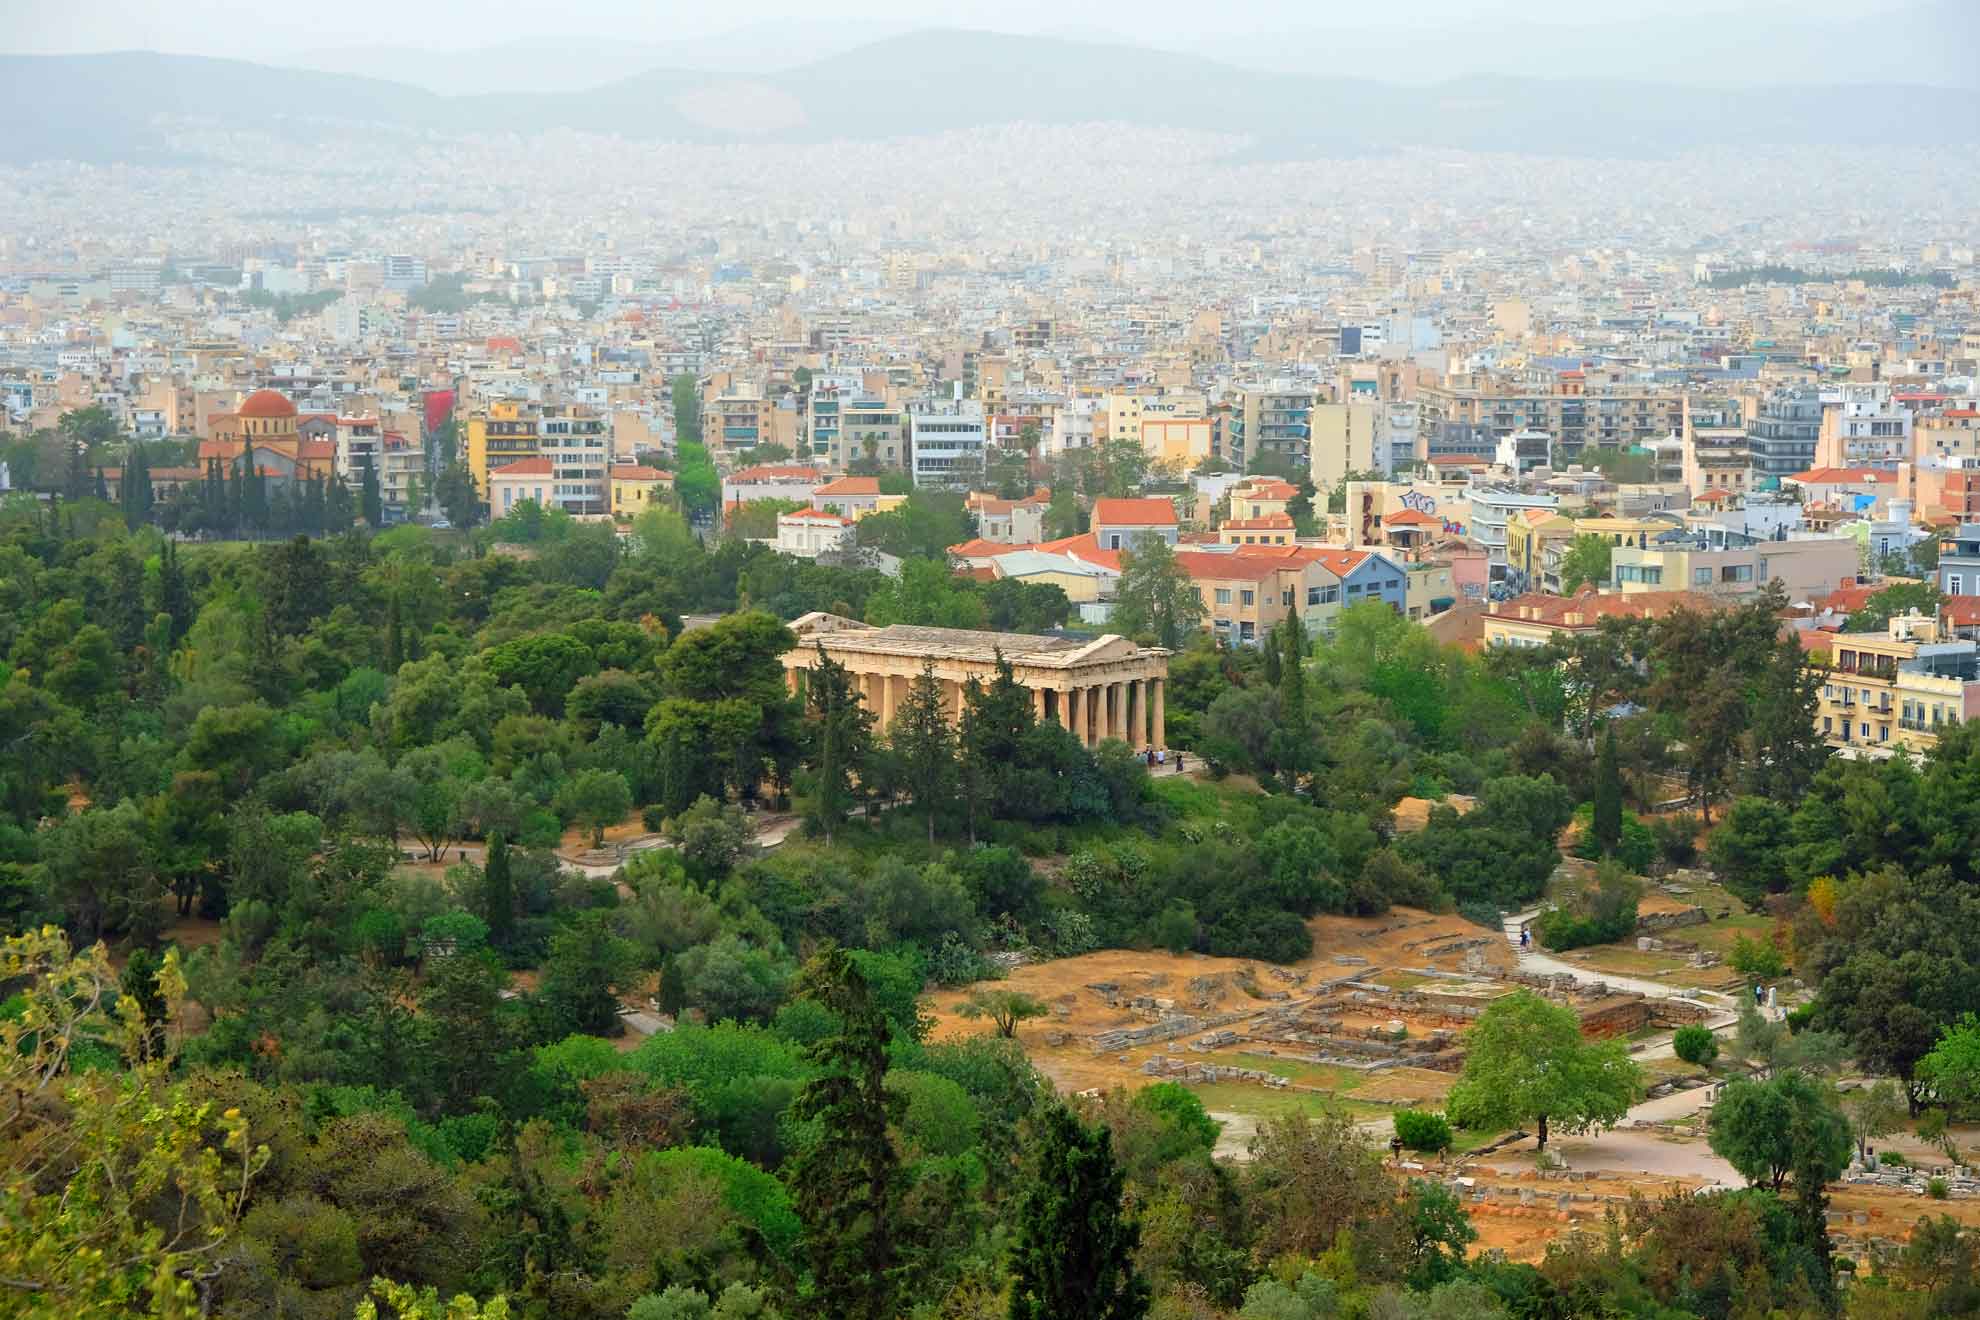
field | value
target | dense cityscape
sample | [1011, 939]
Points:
[831, 703]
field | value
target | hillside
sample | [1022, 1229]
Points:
[107, 107]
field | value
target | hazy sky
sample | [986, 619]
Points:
[255, 29]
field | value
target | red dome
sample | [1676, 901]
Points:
[267, 404]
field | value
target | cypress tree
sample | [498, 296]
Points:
[373, 505]
[847, 1185]
[926, 746]
[1607, 825]
[499, 891]
[1074, 1258]
[174, 596]
[841, 729]
[102, 491]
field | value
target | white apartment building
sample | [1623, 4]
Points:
[948, 446]
[579, 448]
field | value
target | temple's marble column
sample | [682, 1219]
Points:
[1161, 691]
[1038, 704]
[890, 690]
[1076, 715]
[1137, 715]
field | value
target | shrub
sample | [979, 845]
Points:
[1695, 1044]
[1894, 1158]
[1937, 1189]
[1677, 838]
[1418, 1130]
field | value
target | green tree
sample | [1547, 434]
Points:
[599, 799]
[453, 491]
[587, 967]
[1154, 597]
[1952, 1069]
[1006, 1008]
[687, 410]
[1786, 1124]
[121, 1186]
[1607, 822]
[1695, 1044]
[1526, 1060]
[1585, 563]
[370, 502]
[1873, 1111]
[847, 1182]
[498, 891]
[1074, 1258]
[840, 734]
[925, 746]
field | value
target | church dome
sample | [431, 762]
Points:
[267, 404]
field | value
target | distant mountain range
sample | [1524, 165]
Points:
[102, 107]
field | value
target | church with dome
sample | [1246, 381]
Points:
[270, 422]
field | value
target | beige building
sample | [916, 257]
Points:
[1897, 688]
[1807, 568]
[1184, 442]
[1104, 688]
[1343, 441]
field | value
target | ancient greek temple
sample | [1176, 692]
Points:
[1103, 688]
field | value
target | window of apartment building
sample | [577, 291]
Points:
[1955, 584]
[1286, 597]
[1701, 576]
[1223, 596]
[1247, 598]
[1826, 724]
[1865, 728]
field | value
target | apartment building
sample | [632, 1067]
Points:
[737, 419]
[1491, 510]
[579, 447]
[846, 423]
[948, 446]
[1346, 437]
[1118, 523]
[503, 434]
[1862, 426]
[1719, 562]
[1782, 430]
[1272, 419]
[1572, 410]
[1959, 561]
[1895, 689]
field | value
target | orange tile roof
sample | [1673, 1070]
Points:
[850, 486]
[1829, 476]
[523, 467]
[1342, 562]
[639, 472]
[1207, 566]
[1590, 607]
[1269, 488]
[1411, 518]
[978, 547]
[1458, 460]
[1084, 546]
[1134, 513]
[815, 516]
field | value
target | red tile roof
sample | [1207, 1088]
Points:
[1084, 546]
[815, 516]
[1265, 488]
[1458, 460]
[1411, 518]
[523, 467]
[1134, 513]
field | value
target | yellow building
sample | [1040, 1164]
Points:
[1182, 441]
[1431, 589]
[1806, 568]
[500, 436]
[636, 488]
[1896, 688]
[1528, 534]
